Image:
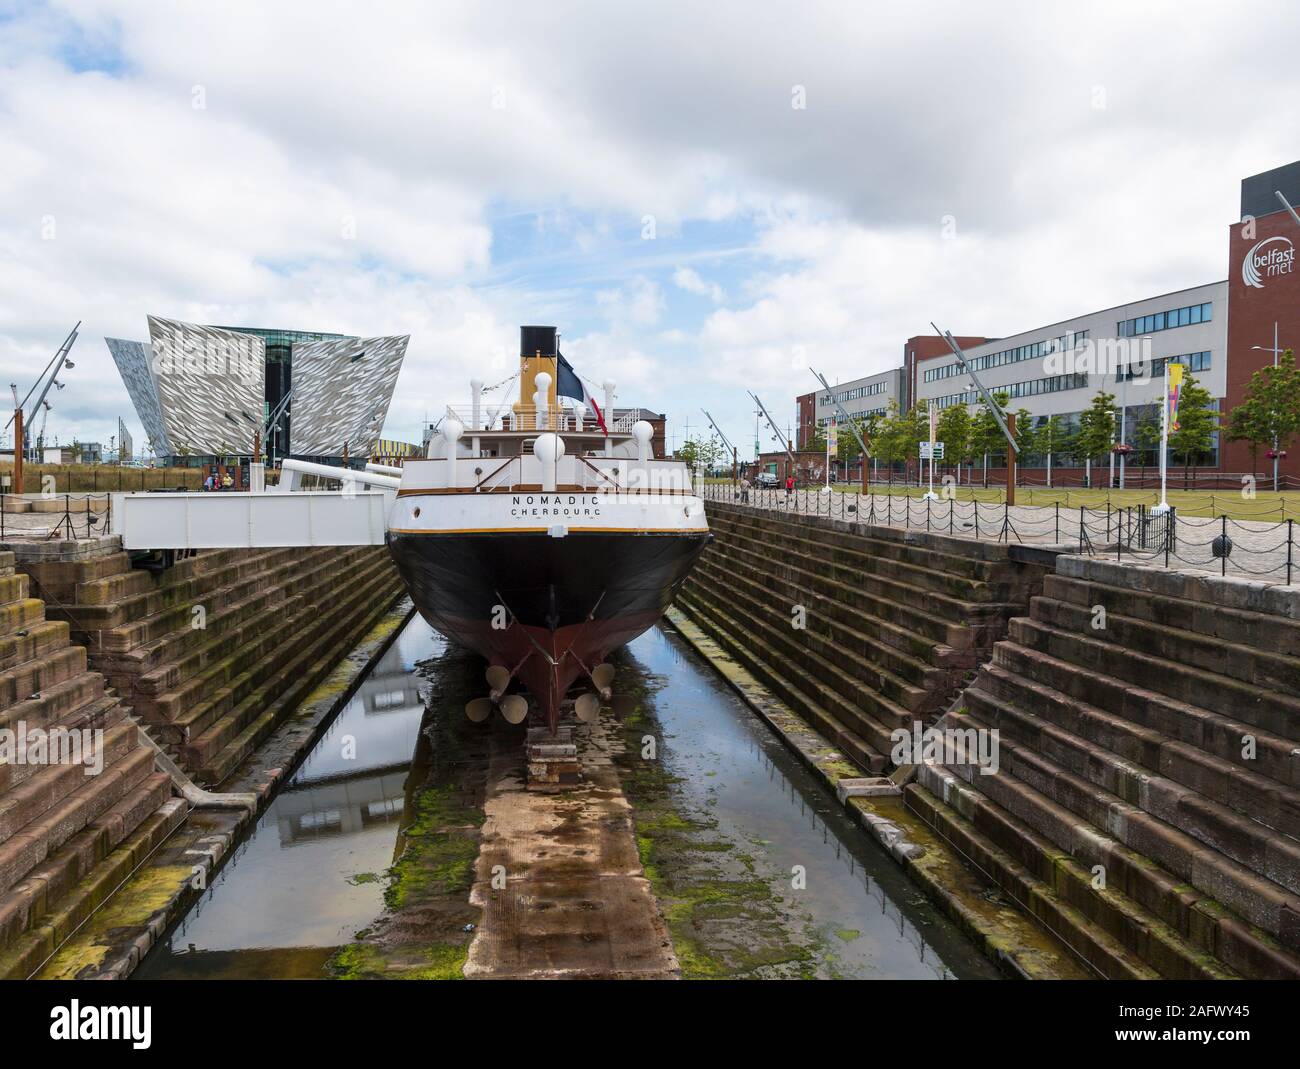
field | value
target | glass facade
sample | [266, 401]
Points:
[279, 380]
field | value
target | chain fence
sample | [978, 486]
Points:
[67, 516]
[1257, 549]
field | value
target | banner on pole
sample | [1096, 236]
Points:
[1175, 391]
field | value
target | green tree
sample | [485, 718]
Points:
[1197, 422]
[700, 453]
[888, 445]
[954, 431]
[986, 435]
[1096, 432]
[1145, 437]
[1050, 440]
[1270, 414]
[913, 428]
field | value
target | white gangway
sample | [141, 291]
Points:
[355, 514]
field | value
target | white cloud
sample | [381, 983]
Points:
[689, 279]
[349, 166]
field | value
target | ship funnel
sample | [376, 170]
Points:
[534, 340]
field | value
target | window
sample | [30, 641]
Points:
[1175, 317]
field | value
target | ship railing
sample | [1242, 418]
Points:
[528, 418]
[586, 473]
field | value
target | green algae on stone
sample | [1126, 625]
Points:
[361, 961]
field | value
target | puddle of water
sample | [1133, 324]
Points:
[729, 822]
[312, 872]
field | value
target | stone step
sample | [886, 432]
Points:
[819, 659]
[860, 559]
[1212, 733]
[51, 783]
[1115, 934]
[1259, 848]
[1257, 668]
[926, 551]
[32, 643]
[102, 714]
[217, 753]
[913, 630]
[842, 726]
[55, 702]
[1278, 714]
[1070, 811]
[1241, 788]
[21, 615]
[936, 540]
[38, 914]
[183, 654]
[20, 683]
[188, 582]
[1258, 631]
[14, 586]
[188, 710]
[224, 712]
[910, 682]
[38, 840]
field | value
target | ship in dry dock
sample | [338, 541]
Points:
[543, 534]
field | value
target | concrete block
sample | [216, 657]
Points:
[866, 787]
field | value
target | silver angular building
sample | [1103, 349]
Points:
[132, 359]
[341, 391]
[203, 392]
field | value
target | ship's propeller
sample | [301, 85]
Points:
[498, 677]
[479, 709]
[587, 707]
[602, 675]
[514, 707]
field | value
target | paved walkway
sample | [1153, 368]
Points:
[1268, 552]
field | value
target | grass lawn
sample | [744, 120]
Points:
[1266, 506]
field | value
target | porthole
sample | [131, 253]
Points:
[416, 513]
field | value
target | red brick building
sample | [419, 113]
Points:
[1263, 295]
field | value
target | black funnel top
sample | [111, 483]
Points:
[534, 340]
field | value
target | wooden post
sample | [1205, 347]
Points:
[257, 447]
[19, 449]
[1011, 461]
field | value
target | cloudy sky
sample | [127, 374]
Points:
[704, 197]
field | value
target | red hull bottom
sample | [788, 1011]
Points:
[548, 662]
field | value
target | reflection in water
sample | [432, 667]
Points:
[311, 873]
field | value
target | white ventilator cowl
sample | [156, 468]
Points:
[642, 432]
